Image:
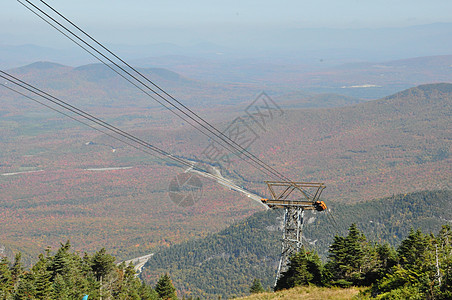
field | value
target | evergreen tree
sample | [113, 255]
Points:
[446, 283]
[59, 263]
[25, 288]
[6, 278]
[352, 259]
[387, 258]
[42, 279]
[165, 288]
[146, 292]
[445, 258]
[256, 287]
[67, 276]
[102, 263]
[61, 289]
[414, 251]
[415, 273]
[17, 269]
[127, 284]
[304, 268]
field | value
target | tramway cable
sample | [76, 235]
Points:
[140, 88]
[280, 190]
[225, 139]
[163, 154]
[75, 119]
[85, 115]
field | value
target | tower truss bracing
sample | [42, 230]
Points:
[294, 198]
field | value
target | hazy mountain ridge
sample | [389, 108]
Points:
[370, 79]
[97, 85]
[93, 72]
[393, 145]
[334, 45]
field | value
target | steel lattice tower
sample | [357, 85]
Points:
[304, 196]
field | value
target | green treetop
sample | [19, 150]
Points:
[165, 288]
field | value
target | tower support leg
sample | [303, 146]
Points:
[292, 237]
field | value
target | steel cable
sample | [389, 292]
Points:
[210, 128]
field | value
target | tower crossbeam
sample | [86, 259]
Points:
[304, 196]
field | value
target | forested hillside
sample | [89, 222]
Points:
[67, 275]
[394, 145]
[61, 181]
[225, 263]
[420, 267]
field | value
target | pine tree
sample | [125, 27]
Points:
[256, 287]
[66, 275]
[415, 273]
[304, 268]
[165, 288]
[17, 269]
[146, 292]
[414, 250]
[59, 263]
[6, 278]
[25, 288]
[445, 254]
[42, 282]
[351, 259]
[387, 259]
[60, 288]
[102, 263]
[127, 284]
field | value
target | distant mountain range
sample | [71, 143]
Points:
[277, 46]
[363, 79]
[245, 78]
[361, 63]
[98, 85]
[290, 85]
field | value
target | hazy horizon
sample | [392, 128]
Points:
[225, 24]
[320, 34]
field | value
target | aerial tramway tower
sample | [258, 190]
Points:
[303, 196]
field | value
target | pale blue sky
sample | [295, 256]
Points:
[182, 22]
